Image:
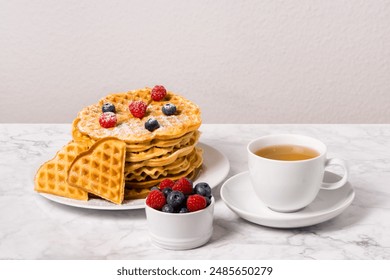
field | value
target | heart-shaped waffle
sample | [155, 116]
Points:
[100, 170]
[51, 176]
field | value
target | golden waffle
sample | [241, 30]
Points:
[176, 142]
[142, 192]
[131, 129]
[156, 152]
[51, 176]
[135, 148]
[136, 193]
[190, 174]
[161, 162]
[149, 177]
[100, 170]
[78, 136]
[177, 167]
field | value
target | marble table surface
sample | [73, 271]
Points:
[32, 227]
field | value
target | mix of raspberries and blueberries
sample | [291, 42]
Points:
[138, 110]
[180, 196]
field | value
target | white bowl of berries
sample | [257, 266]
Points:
[180, 215]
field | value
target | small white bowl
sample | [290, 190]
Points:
[180, 231]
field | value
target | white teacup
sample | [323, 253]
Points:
[288, 186]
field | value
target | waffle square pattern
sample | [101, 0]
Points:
[100, 170]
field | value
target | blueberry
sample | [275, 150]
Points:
[108, 107]
[167, 208]
[208, 201]
[183, 210]
[152, 124]
[166, 191]
[169, 109]
[203, 189]
[176, 199]
[154, 188]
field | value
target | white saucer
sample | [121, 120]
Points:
[214, 170]
[239, 196]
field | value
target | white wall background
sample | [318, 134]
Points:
[262, 61]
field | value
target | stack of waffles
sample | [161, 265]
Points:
[126, 160]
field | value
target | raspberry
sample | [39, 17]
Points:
[183, 185]
[156, 199]
[107, 120]
[166, 183]
[158, 93]
[196, 202]
[138, 109]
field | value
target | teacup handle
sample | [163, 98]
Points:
[338, 184]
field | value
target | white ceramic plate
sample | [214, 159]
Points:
[238, 195]
[214, 169]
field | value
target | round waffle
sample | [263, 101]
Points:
[162, 161]
[135, 148]
[156, 151]
[167, 152]
[151, 176]
[172, 165]
[131, 129]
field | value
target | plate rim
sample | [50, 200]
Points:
[136, 203]
[299, 220]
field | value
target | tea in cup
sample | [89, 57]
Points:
[287, 170]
